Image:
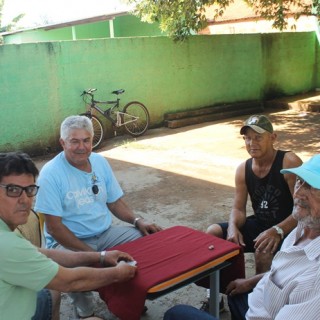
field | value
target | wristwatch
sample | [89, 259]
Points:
[102, 256]
[279, 231]
[135, 221]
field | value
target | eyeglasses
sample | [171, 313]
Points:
[302, 183]
[15, 191]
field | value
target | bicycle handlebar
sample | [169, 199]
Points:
[89, 91]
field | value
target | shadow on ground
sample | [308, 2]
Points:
[185, 177]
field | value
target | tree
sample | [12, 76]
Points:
[12, 24]
[1, 7]
[180, 18]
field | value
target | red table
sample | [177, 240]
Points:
[166, 261]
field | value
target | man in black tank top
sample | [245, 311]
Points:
[270, 193]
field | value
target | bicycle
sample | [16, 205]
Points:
[134, 116]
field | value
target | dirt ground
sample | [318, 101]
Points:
[186, 177]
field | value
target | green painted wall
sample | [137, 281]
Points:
[42, 35]
[287, 57]
[39, 35]
[41, 82]
[124, 26]
[92, 30]
[131, 26]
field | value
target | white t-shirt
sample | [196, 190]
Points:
[66, 192]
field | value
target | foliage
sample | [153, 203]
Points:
[280, 10]
[12, 24]
[181, 18]
[1, 7]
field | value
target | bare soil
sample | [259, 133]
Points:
[185, 177]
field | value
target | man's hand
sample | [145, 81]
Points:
[234, 235]
[146, 227]
[239, 286]
[127, 271]
[112, 258]
[120, 209]
[267, 241]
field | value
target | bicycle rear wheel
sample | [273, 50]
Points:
[98, 132]
[135, 118]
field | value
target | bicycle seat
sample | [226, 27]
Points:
[118, 91]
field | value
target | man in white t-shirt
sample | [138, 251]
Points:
[78, 195]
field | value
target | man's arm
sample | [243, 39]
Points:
[299, 302]
[71, 259]
[86, 279]
[63, 235]
[238, 213]
[121, 210]
[73, 276]
[240, 286]
[306, 309]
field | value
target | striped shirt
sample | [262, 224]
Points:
[291, 289]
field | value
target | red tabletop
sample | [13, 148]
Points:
[160, 257]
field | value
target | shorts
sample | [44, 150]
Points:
[250, 230]
[44, 306]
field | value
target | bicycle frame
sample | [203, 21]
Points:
[120, 123]
[134, 116]
[107, 113]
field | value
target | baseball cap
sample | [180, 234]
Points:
[308, 171]
[258, 123]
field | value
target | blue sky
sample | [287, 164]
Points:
[37, 12]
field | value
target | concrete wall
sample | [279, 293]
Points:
[290, 63]
[41, 83]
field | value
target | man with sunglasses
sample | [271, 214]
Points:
[26, 270]
[78, 195]
[291, 289]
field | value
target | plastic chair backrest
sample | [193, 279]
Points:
[32, 230]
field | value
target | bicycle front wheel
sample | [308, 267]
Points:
[135, 118]
[98, 132]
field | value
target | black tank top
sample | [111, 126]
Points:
[270, 196]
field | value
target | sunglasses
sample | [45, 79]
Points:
[95, 189]
[15, 191]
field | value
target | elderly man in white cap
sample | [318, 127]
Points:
[291, 289]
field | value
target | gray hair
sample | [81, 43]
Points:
[75, 122]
